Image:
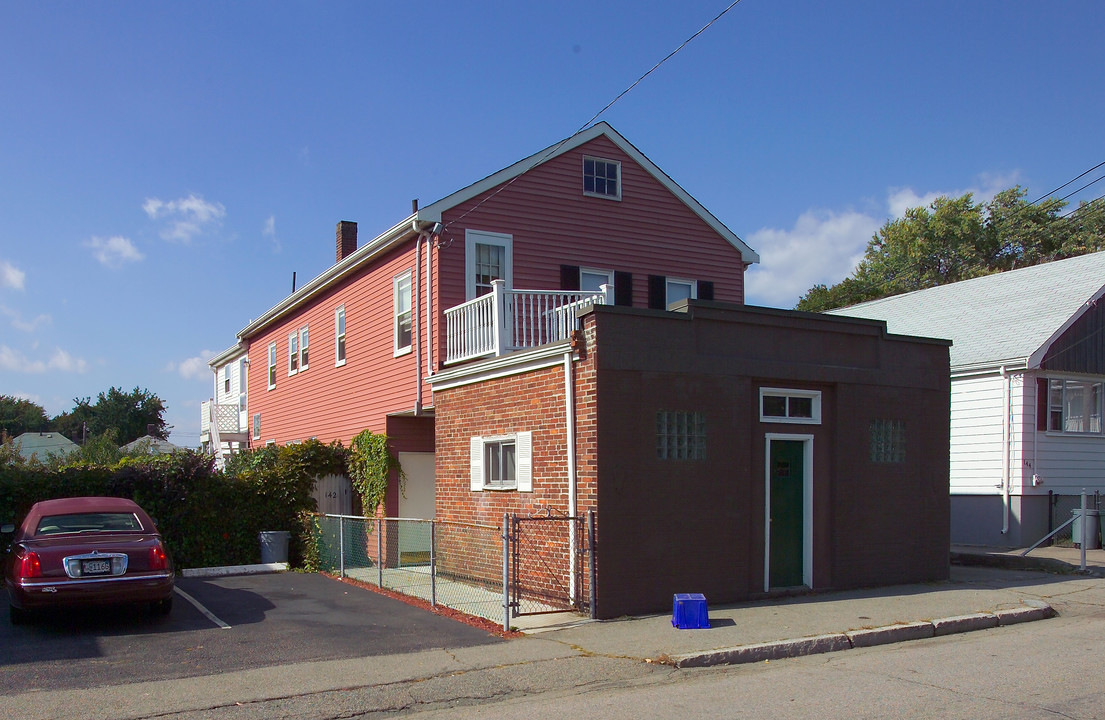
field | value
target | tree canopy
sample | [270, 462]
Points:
[18, 416]
[129, 414]
[956, 239]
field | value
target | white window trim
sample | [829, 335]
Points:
[523, 449]
[679, 281]
[583, 177]
[271, 378]
[815, 410]
[1089, 380]
[293, 353]
[596, 271]
[397, 349]
[483, 237]
[340, 311]
[303, 338]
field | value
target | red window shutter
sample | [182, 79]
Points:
[1041, 403]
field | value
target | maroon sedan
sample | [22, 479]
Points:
[87, 551]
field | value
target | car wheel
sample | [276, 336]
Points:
[18, 616]
[162, 607]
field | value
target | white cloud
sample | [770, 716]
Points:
[822, 247]
[11, 276]
[186, 217]
[16, 361]
[193, 368]
[269, 231]
[20, 324]
[114, 251]
[901, 199]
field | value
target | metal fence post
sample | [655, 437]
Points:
[379, 552]
[1085, 531]
[433, 564]
[341, 546]
[591, 560]
[506, 573]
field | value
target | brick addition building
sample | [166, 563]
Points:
[727, 450]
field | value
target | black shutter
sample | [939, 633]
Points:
[657, 292]
[705, 290]
[569, 277]
[623, 288]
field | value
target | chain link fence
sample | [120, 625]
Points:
[476, 569]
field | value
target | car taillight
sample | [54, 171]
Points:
[157, 558]
[28, 565]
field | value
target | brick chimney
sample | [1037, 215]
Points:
[347, 239]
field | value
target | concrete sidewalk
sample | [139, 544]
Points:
[975, 598]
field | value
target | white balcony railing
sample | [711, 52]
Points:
[226, 418]
[503, 321]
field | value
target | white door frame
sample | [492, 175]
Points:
[807, 506]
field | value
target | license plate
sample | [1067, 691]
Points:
[95, 567]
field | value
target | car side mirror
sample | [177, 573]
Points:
[7, 528]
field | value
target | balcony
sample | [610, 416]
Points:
[226, 420]
[504, 321]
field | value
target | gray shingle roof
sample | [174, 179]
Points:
[991, 319]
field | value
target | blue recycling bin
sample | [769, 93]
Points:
[689, 612]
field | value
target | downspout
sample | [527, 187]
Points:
[570, 442]
[435, 241]
[424, 239]
[1006, 401]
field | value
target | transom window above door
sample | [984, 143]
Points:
[780, 405]
[487, 257]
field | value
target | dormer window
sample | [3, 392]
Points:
[602, 178]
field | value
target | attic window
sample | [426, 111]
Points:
[602, 178]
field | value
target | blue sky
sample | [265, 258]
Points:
[166, 167]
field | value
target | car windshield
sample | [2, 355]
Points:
[88, 522]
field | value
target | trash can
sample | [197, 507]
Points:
[274, 546]
[1093, 517]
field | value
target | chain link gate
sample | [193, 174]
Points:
[542, 577]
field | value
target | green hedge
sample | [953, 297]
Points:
[208, 518]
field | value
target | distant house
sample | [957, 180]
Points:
[43, 445]
[151, 445]
[224, 419]
[1028, 382]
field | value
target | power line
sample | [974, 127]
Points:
[1082, 188]
[1068, 182]
[597, 115]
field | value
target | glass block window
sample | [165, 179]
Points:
[680, 435]
[887, 441]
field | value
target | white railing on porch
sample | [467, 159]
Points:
[503, 321]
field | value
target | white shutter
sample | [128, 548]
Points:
[476, 463]
[524, 446]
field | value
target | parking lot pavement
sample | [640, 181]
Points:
[228, 624]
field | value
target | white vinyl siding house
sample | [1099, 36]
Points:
[1014, 334]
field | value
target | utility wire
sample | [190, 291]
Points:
[597, 115]
[1068, 182]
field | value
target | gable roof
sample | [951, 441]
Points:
[44, 444]
[1008, 318]
[153, 445]
[427, 217]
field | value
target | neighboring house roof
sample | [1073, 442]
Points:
[427, 217]
[1007, 318]
[155, 446]
[231, 353]
[43, 444]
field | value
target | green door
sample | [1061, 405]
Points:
[787, 516]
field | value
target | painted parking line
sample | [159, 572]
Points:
[199, 606]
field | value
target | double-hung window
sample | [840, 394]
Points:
[602, 178]
[591, 280]
[678, 290]
[243, 384]
[303, 348]
[401, 297]
[1074, 406]
[293, 353]
[226, 379]
[339, 336]
[502, 462]
[272, 365]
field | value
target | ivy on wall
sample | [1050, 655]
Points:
[371, 463]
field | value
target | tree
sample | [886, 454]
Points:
[131, 415]
[18, 416]
[956, 239]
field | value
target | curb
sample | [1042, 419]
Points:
[234, 570]
[867, 637]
